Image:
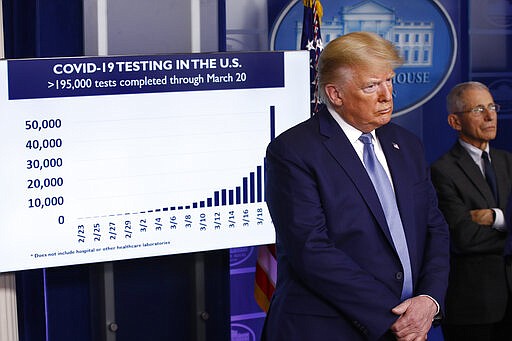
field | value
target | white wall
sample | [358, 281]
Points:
[151, 26]
[166, 26]
[246, 25]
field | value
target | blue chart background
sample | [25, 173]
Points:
[266, 71]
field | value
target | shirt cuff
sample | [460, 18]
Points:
[499, 221]
[437, 304]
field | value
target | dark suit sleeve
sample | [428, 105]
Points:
[457, 196]
[508, 221]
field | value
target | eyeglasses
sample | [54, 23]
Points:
[479, 109]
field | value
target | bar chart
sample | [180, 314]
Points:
[99, 176]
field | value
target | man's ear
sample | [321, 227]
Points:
[454, 122]
[333, 95]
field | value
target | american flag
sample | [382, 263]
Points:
[266, 266]
[311, 40]
[266, 275]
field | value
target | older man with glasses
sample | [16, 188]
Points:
[473, 182]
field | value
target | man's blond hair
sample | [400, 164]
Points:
[356, 49]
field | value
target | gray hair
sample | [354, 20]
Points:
[454, 100]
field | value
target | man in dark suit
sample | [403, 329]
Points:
[349, 267]
[478, 303]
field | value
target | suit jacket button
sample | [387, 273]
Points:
[399, 275]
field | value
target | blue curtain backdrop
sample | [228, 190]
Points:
[38, 28]
[428, 121]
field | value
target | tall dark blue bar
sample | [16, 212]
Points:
[238, 195]
[223, 197]
[259, 185]
[272, 122]
[231, 196]
[194, 205]
[209, 202]
[252, 191]
[245, 189]
[272, 134]
[216, 201]
[201, 203]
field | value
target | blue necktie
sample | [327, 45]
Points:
[387, 200]
[490, 176]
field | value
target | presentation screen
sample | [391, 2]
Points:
[111, 158]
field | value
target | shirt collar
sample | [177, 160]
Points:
[351, 132]
[474, 152]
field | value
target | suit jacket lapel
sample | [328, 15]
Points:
[503, 178]
[473, 172]
[341, 149]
